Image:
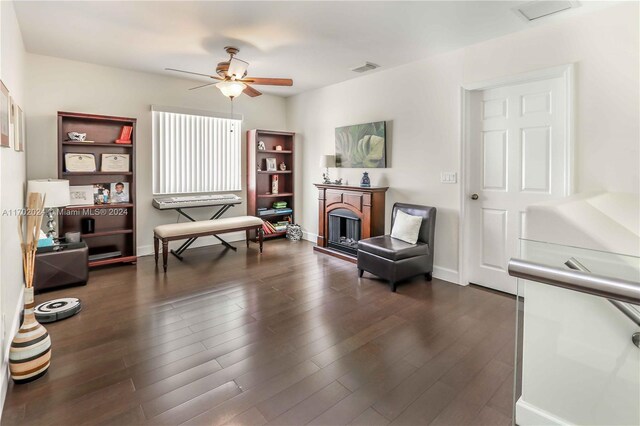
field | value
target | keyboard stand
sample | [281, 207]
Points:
[178, 252]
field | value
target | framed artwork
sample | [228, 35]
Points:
[79, 162]
[19, 129]
[361, 145]
[271, 165]
[81, 195]
[4, 116]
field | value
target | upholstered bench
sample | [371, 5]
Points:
[203, 228]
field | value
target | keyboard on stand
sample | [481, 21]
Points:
[166, 203]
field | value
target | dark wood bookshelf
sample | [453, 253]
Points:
[259, 181]
[116, 231]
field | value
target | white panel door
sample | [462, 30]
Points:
[518, 156]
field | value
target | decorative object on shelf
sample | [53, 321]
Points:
[30, 350]
[365, 182]
[57, 309]
[101, 193]
[119, 192]
[283, 166]
[19, 129]
[278, 147]
[261, 146]
[77, 137]
[271, 165]
[125, 135]
[56, 194]
[274, 184]
[337, 181]
[115, 163]
[294, 232]
[81, 195]
[88, 225]
[361, 145]
[5, 111]
[72, 237]
[327, 161]
[80, 162]
[259, 167]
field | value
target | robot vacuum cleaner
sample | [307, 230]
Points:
[57, 309]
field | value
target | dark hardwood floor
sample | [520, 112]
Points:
[290, 337]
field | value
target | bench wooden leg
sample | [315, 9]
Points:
[156, 248]
[247, 233]
[260, 237]
[165, 254]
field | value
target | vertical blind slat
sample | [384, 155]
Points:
[192, 153]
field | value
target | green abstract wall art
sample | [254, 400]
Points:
[361, 146]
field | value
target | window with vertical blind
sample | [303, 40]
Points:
[195, 151]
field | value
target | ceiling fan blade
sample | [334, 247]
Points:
[252, 92]
[268, 81]
[194, 73]
[237, 68]
[204, 85]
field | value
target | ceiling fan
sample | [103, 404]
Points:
[232, 77]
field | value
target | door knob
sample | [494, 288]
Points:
[474, 196]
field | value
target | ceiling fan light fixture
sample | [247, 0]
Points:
[231, 89]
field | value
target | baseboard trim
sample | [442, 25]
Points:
[5, 375]
[446, 274]
[231, 237]
[527, 414]
[310, 236]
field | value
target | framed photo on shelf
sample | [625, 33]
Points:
[101, 193]
[81, 195]
[119, 192]
[271, 165]
[80, 162]
[115, 163]
[5, 111]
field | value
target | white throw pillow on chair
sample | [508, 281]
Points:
[406, 227]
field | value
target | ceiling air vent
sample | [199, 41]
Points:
[541, 8]
[368, 66]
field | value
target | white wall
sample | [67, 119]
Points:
[12, 183]
[62, 85]
[421, 103]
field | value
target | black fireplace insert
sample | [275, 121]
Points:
[344, 231]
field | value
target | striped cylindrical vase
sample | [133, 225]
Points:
[30, 351]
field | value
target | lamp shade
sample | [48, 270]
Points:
[54, 191]
[231, 89]
[327, 161]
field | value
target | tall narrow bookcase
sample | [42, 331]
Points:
[115, 223]
[259, 194]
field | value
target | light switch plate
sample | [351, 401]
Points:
[448, 177]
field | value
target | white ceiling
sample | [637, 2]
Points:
[315, 43]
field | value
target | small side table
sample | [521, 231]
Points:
[67, 265]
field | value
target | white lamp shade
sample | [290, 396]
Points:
[54, 191]
[231, 89]
[327, 161]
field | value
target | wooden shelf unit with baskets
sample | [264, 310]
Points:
[259, 181]
[115, 223]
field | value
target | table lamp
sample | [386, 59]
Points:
[56, 194]
[327, 161]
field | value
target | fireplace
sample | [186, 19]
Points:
[344, 231]
[347, 214]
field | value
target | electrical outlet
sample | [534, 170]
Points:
[448, 177]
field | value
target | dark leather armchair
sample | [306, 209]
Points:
[395, 260]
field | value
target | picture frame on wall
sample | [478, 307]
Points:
[5, 111]
[19, 129]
